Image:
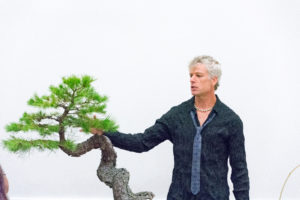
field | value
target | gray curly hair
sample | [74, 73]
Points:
[213, 66]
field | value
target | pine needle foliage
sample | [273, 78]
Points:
[71, 104]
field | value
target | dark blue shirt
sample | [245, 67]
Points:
[222, 139]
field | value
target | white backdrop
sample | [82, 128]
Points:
[139, 51]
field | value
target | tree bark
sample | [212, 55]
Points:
[115, 178]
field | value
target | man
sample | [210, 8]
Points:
[205, 133]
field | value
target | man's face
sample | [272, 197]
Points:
[201, 82]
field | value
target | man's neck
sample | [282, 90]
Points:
[205, 101]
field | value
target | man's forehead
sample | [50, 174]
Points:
[198, 68]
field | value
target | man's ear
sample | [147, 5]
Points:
[215, 80]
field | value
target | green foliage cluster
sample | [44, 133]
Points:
[23, 145]
[31, 122]
[71, 104]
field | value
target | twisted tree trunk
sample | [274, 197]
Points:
[115, 178]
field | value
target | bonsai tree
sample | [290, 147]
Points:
[73, 104]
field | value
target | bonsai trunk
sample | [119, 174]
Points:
[115, 178]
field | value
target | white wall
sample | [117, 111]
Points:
[139, 51]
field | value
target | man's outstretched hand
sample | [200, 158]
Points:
[95, 131]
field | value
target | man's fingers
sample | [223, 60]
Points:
[96, 131]
[93, 130]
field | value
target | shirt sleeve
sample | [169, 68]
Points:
[142, 142]
[237, 156]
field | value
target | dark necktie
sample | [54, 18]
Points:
[195, 177]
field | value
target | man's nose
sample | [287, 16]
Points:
[192, 79]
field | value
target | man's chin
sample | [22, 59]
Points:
[194, 93]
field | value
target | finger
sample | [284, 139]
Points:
[93, 130]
